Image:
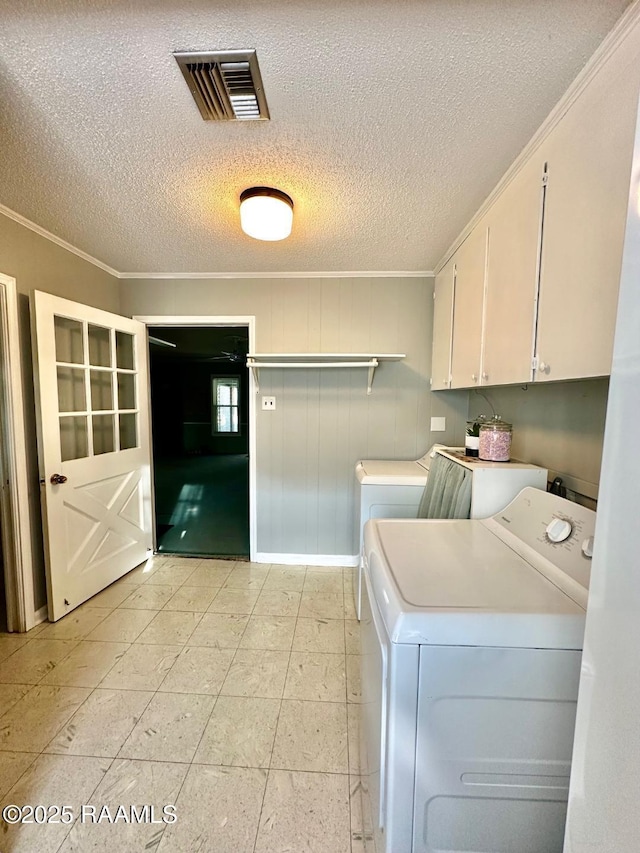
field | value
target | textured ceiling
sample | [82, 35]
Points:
[390, 123]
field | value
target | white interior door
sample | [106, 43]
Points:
[91, 378]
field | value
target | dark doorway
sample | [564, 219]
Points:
[200, 436]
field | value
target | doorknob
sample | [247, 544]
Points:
[57, 479]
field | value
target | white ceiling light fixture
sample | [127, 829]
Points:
[266, 213]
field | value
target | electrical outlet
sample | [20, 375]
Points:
[438, 424]
[268, 404]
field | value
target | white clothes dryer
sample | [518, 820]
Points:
[471, 647]
[394, 488]
[387, 488]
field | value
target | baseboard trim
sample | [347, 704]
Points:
[307, 559]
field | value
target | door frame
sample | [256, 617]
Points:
[14, 486]
[249, 321]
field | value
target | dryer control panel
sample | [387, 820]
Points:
[559, 530]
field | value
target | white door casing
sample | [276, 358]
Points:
[91, 380]
[249, 321]
[15, 509]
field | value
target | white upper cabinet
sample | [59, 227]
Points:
[537, 279]
[443, 296]
[514, 222]
[589, 154]
[466, 355]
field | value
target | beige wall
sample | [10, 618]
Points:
[558, 425]
[324, 421]
[39, 264]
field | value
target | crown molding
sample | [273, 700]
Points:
[623, 28]
[22, 220]
[182, 276]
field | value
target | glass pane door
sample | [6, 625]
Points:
[97, 389]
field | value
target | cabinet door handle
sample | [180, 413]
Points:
[474, 377]
[485, 376]
[543, 367]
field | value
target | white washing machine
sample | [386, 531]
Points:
[393, 489]
[472, 636]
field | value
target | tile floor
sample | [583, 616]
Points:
[228, 689]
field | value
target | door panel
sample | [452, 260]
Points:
[515, 222]
[91, 376]
[468, 309]
[589, 154]
[443, 326]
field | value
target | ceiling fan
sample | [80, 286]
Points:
[233, 357]
[237, 355]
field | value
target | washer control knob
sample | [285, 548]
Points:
[558, 530]
[587, 547]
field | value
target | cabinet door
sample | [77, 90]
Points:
[589, 155]
[443, 296]
[468, 309]
[514, 222]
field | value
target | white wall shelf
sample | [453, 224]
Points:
[318, 360]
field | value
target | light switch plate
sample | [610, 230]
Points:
[268, 404]
[437, 424]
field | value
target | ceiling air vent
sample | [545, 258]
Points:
[226, 85]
